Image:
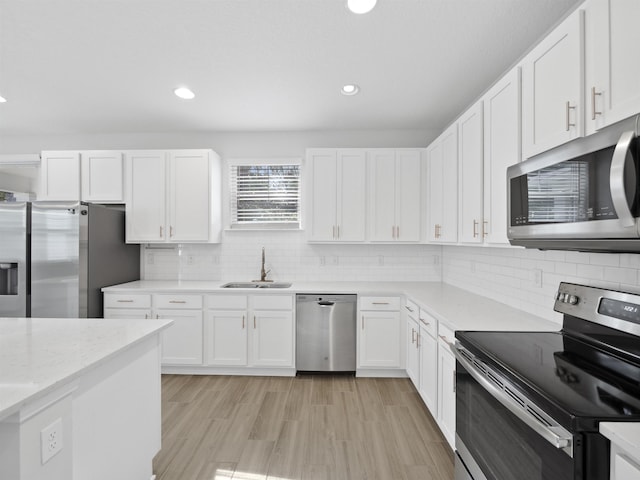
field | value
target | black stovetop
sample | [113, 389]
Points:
[578, 380]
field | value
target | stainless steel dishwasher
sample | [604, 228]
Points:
[325, 333]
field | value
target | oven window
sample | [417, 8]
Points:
[502, 445]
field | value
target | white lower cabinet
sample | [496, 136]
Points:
[380, 334]
[182, 341]
[250, 330]
[412, 343]
[428, 362]
[446, 385]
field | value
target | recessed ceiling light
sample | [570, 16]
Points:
[2, 99]
[361, 6]
[350, 89]
[184, 93]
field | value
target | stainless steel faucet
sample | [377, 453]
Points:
[263, 272]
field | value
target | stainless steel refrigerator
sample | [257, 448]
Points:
[56, 256]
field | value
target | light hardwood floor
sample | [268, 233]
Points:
[302, 428]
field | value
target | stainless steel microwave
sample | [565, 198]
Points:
[582, 196]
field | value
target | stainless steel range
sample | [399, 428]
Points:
[529, 403]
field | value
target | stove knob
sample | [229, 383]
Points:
[560, 297]
[572, 299]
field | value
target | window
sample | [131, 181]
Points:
[265, 195]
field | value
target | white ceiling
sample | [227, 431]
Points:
[110, 66]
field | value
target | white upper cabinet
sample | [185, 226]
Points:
[337, 201]
[442, 175]
[395, 195]
[60, 176]
[173, 196]
[102, 176]
[501, 149]
[90, 176]
[470, 153]
[612, 36]
[552, 89]
[190, 195]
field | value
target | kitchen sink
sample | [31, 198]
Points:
[257, 285]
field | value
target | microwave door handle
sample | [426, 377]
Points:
[555, 435]
[616, 180]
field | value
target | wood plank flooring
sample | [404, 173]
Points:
[301, 428]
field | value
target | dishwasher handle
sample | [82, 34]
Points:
[325, 303]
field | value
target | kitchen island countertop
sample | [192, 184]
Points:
[37, 355]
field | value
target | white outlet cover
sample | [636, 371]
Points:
[51, 440]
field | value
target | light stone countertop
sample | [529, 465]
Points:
[37, 355]
[457, 308]
[624, 434]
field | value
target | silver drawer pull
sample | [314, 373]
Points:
[409, 308]
[177, 301]
[125, 301]
[380, 303]
[424, 321]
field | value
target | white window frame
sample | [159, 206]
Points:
[232, 224]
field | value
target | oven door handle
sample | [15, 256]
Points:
[556, 435]
[616, 179]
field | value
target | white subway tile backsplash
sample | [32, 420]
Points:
[509, 275]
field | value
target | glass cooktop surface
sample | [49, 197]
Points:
[576, 382]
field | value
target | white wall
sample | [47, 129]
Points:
[509, 275]
[227, 144]
[290, 258]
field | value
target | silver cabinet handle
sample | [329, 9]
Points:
[254, 322]
[413, 335]
[425, 322]
[177, 301]
[409, 308]
[333, 235]
[125, 301]
[616, 179]
[380, 303]
[243, 322]
[146, 316]
[338, 230]
[418, 341]
[160, 231]
[475, 228]
[485, 228]
[594, 112]
[554, 434]
[568, 115]
[170, 230]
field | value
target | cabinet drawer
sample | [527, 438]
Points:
[119, 300]
[411, 309]
[177, 301]
[379, 303]
[227, 302]
[445, 334]
[429, 323]
[272, 302]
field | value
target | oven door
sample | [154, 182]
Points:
[494, 440]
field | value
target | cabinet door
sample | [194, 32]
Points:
[413, 353]
[380, 339]
[408, 195]
[612, 37]
[226, 337]
[189, 196]
[447, 393]
[102, 176]
[470, 161]
[127, 313]
[552, 76]
[323, 180]
[435, 191]
[382, 197]
[60, 176]
[182, 341]
[145, 205]
[448, 231]
[428, 370]
[271, 338]
[351, 195]
[501, 149]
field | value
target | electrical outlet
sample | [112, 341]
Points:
[51, 440]
[323, 261]
[537, 277]
[381, 260]
[333, 260]
[189, 259]
[150, 258]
